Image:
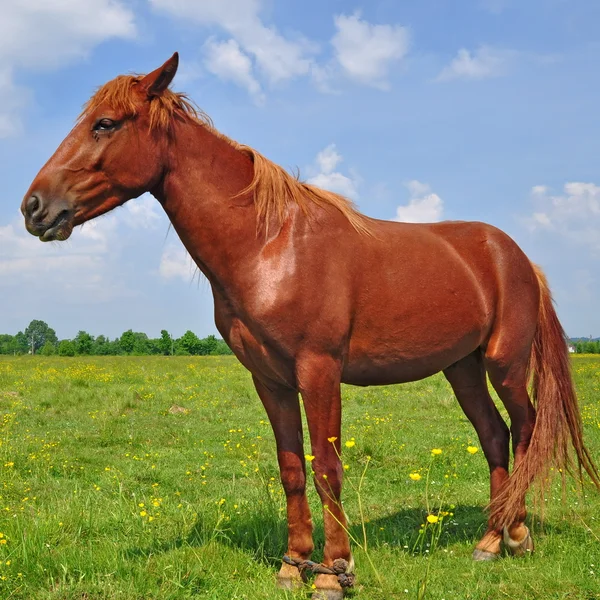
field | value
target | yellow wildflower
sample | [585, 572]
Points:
[350, 443]
[432, 519]
[143, 513]
[415, 476]
[436, 451]
[331, 439]
[309, 457]
[472, 449]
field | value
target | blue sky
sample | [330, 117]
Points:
[430, 110]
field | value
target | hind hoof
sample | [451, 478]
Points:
[483, 555]
[516, 548]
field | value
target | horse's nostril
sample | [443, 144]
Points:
[33, 205]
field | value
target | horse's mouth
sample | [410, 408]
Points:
[60, 229]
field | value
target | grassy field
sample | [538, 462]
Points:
[106, 493]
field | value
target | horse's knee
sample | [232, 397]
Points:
[293, 480]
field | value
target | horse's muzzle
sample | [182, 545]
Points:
[48, 220]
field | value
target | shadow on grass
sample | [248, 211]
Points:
[264, 536]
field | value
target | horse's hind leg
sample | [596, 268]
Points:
[468, 380]
[509, 379]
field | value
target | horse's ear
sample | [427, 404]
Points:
[158, 81]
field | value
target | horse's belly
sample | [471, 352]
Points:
[415, 345]
[401, 365]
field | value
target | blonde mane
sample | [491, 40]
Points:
[273, 187]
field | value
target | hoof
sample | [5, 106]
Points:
[522, 548]
[290, 578]
[328, 594]
[328, 588]
[289, 583]
[483, 555]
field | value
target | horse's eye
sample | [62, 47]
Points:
[104, 125]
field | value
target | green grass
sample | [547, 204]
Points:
[84, 443]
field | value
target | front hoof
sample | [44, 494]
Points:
[484, 555]
[290, 578]
[328, 588]
[519, 548]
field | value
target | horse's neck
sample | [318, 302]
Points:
[201, 196]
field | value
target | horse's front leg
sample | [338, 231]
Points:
[283, 409]
[319, 383]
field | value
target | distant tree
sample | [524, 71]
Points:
[189, 343]
[21, 346]
[84, 343]
[101, 346]
[141, 345]
[208, 345]
[7, 344]
[127, 341]
[165, 343]
[48, 349]
[66, 348]
[222, 348]
[37, 334]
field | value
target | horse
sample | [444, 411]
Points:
[309, 293]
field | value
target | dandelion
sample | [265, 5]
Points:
[331, 439]
[436, 451]
[415, 476]
[309, 457]
[350, 443]
[472, 449]
[432, 519]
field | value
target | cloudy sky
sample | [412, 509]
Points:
[419, 111]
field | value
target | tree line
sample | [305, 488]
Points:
[40, 338]
[587, 346]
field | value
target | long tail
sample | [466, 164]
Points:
[558, 420]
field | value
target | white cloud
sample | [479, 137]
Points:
[227, 61]
[85, 265]
[277, 57]
[141, 213]
[12, 99]
[176, 263]
[573, 215]
[366, 51]
[327, 178]
[423, 207]
[37, 34]
[80, 269]
[485, 62]
[328, 159]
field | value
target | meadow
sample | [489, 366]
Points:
[142, 478]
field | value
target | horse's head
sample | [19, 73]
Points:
[114, 153]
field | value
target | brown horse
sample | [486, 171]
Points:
[310, 293]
